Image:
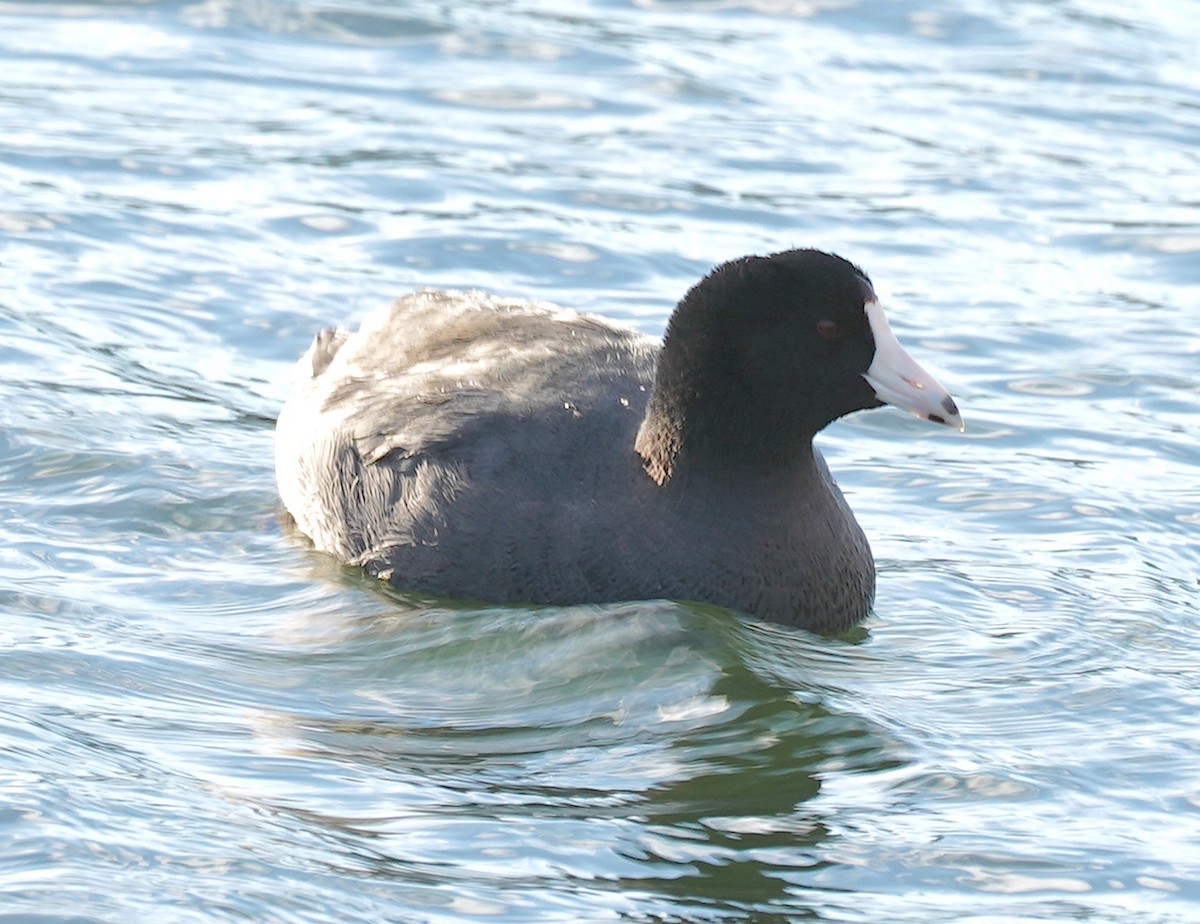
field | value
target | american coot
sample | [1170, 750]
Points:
[507, 451]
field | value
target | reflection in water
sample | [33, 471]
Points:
[640, 748]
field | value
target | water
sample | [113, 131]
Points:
[204, 722]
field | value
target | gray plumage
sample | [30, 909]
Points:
[484, 449]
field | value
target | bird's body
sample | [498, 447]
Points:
[500, 450]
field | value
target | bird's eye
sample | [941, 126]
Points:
[829, 330]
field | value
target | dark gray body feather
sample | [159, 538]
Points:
[479, 448]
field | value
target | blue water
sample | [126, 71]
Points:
[203, 721]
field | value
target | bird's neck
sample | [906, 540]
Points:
[677, 442]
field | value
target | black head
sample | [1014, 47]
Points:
[760, 355]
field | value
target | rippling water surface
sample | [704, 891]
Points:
[202, 721]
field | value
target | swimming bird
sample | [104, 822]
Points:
[498, 450]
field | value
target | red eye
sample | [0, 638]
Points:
[828, 330]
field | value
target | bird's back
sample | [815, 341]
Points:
[455, 433]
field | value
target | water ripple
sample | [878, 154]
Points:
[205, 721]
